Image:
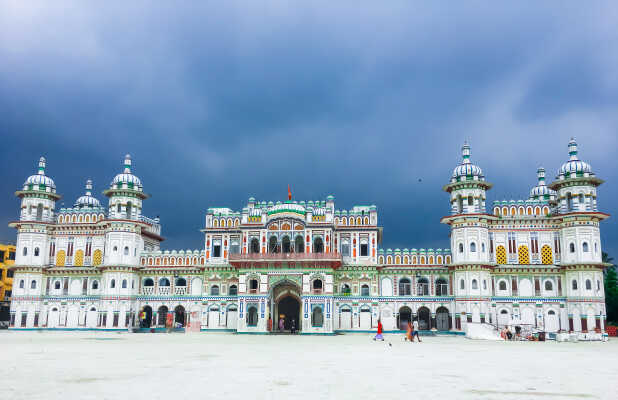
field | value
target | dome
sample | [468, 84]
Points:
[467, 170]
[127, 177]
[541, 191]
[87, 200]
[40, 178]
[574, 165]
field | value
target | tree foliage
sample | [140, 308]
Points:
[611, 290]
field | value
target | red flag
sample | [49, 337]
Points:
[289, 193]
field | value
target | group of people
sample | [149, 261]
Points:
[411, 332]
[292, 325]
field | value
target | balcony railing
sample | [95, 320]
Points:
[164, 290]
[286, 256]
[148, 290]
[180, 290]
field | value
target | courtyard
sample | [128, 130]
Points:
[106, 365]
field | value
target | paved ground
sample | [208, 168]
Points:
[95, 365]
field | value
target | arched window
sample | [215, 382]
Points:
[472, 247]
[317, 286]
[345, 289]
[57, 285]
[475, 284]
[255, 246]
[118, 209]
[484, 284]
[483, 247]
[502, 285]
[470, 200]
[36, 251]
[588, 284]
[22, 284]
[422, 288]
[405, 287]
[285, 244]
[233, 290]
[25, 251]
[181, 282]
[148, 282]
[214, 290]
[164, 282]
[95, 285]
[124, 283]
[126, 250]
[299, 244]
[571, 247]
[585, 247]
[115, 249]
[273, 247]
[462, 284]
[318, 245]
[574, 284]
[39, 212]
[460, 247]
[112, 284]
[253, 286]
[129, 209]
[441, 287]
[365, 290]
[548, 285]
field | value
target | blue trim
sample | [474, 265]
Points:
[217, 330]
[158, 330]
[71, 329]
[253, 333]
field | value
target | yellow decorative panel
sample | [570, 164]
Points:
[79, 258]
[60, 258]
[547, 256]
[97, 258]
[523, 255]
[501, 255]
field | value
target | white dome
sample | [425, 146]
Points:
[467, 170]
[574, 165]
[127, 177]
[541, 191]
[87, 200]
[40, 178]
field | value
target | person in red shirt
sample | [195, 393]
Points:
[379, 336]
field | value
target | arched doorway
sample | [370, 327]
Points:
[365, 318]
[147, 317]
[405, 315]
[442, 319]
[53, 318]
[179, 315]
[213, 317]
[345, 317]
[551, 322]
[91, 318]
[162, 315]
[232, 317]
[424, 319]
[285, 305]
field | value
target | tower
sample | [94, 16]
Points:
[123, 240]
[38, 202]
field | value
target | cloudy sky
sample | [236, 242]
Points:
[221, 101]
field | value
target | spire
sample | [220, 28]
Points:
[465, 152]
[42, 166]
[289, 193]
[573, 149]
[127, 164]
[540, 173]
[89, 187]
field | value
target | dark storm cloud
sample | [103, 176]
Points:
[219, 102]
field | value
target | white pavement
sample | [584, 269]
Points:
[96, 365]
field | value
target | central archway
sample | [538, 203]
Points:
[286, 306]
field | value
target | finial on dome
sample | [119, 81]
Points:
[465, 152]
[89, 187]
[540, 173]
[42, 166]
[573, 149]
[127, 164]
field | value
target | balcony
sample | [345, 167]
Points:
[180, 290]
[148, 290]
[164, 290]
[268, 258]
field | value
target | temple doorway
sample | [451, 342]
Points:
[288, 309]
[286, 306]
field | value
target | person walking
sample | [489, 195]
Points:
[379, 336]
[293, 326]
[281, 325]
[415, 331]
[409, 332]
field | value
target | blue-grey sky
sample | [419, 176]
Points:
[220, 101]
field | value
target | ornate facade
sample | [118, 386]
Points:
[536, 261]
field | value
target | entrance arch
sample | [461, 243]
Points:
[179, 315]
[405, 316]
[442, 319]
[424, 319]
[286, 306]
[162, 313]
[147, 317]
